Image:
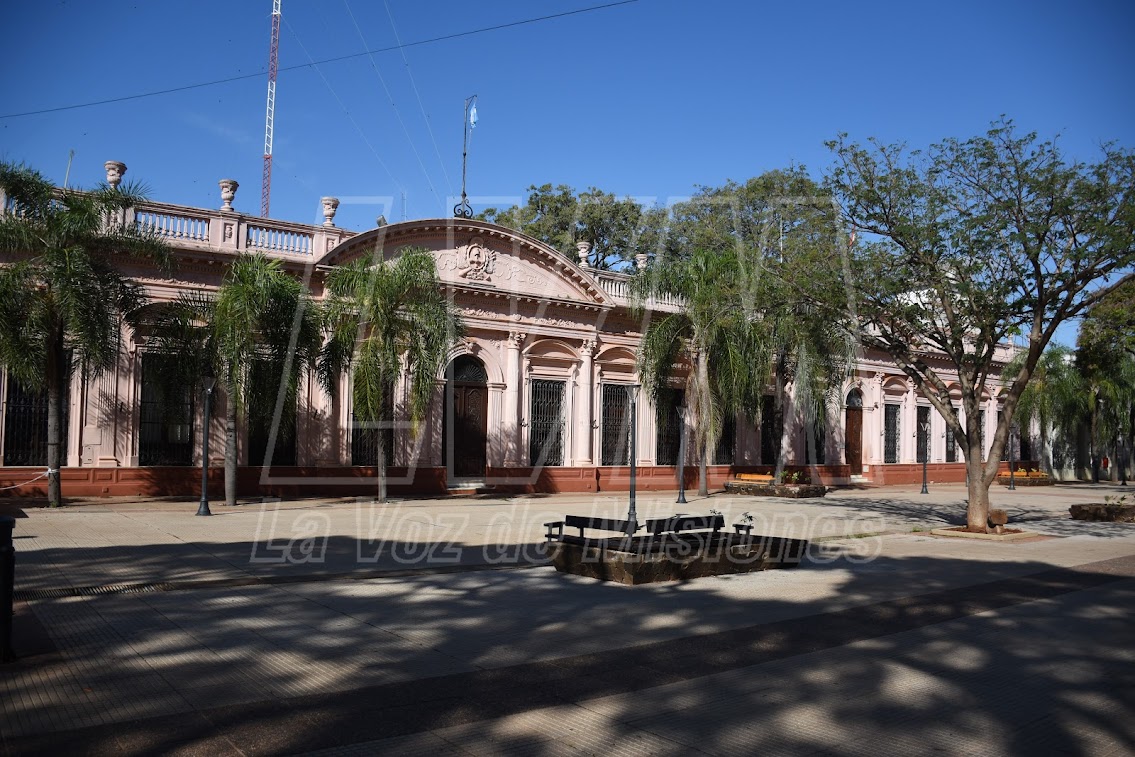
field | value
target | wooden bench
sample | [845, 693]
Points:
[679, 523]
[555, 529]
[755, 478]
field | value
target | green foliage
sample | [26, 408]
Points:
[558, 217]
[381, 313]
[971, 242]
[63, 295]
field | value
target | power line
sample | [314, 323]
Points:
[421, 105]
[397, 113]
[314, 63]
[343, 105]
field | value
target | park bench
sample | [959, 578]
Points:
[555, 529]
[679, 523]
[755, 478]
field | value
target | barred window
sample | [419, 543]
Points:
[366, 436]
[668, 426]
[891, 433]
[546, 423]
[165, 434]
[923, 452]
[816, 452]
[726, 450]
[25, 425]
[951, 445]
[771, 431]
[261, 412]
[616, 410]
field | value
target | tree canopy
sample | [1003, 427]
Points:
[557, 216]
[962, 246]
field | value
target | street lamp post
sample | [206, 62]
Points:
[925, 454]
[681, 456]
[203, 509]
[632, 515]
[1012, 457]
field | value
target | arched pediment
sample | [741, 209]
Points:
[484, 257]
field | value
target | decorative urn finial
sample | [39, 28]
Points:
[330, 205]
[115, 170]
[228, 192]
[582, 250]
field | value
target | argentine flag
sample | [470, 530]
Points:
[473, 116]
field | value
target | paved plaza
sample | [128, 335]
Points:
[434, 627]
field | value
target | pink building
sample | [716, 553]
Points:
[536, 397]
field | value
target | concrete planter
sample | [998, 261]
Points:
[789, 491]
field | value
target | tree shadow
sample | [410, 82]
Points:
[973, 659]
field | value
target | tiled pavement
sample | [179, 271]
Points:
[142, 672]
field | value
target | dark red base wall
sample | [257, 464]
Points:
[290, 482]
[936, 473]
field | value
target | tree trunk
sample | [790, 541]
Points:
[381, 468]
[703, 390]
[1093, 445]
[56, 357]
[230, 447]
[977, 509]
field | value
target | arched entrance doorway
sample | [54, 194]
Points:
[467, 417]
[853, 432]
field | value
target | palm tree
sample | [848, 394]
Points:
[62, 301]
[713, 332]
[1055, 398]
[260, 323]
[382, 314]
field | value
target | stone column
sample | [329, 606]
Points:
[910, 424]
[510, 417]
[584, 391]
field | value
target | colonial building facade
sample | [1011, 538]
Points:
[537, 395]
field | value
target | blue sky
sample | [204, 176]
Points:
[647, 99]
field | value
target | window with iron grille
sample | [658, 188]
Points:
[923, 435]
[771, 431]
[546, 423]
[890, 433]
[1004, 449]
[366, 435]
[165, 433]
[668, 426]
[616, 412]
[981, 431]
[951, 445]
[25, 425]
[1025, 442]
[816, 452]
[261, 411]
[726, 448]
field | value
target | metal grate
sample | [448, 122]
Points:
[165, 435]
[727, 442]
[366, 436]
[923, 435]
[951, 445]
[616, 424]
[891, 434]
[260, 414]
[546, 423]
[817, 452]
[772, 429]
[25, 425]
[668, 422]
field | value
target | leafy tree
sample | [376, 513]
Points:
[1110, 322]
[616, 228]
[62, 300]
[969, 243]
[383, 314]
[259, 320]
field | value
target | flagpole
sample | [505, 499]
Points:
[463, 209]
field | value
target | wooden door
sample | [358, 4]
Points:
[853, 440]
[470, 423]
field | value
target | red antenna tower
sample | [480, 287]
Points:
[273, 54]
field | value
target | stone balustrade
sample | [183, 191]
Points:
[618, 287]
